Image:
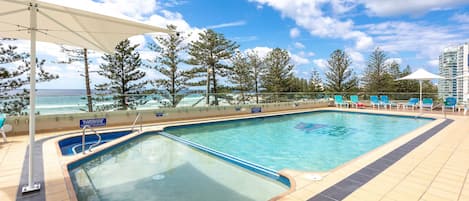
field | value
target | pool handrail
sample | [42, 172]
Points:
[83, 141]
[139, 117]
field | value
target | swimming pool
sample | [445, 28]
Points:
[154, 167]
[313, 141]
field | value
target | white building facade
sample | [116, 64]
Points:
[454, 62]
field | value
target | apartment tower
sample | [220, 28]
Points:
[454, 62]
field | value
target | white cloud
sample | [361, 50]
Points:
[306, 54]
[391, 60]
[320, 63]
[358, 61]
[461, 17]
[138, 40]
[295, 32]
[433, 63]
[229, 24]
[410, 7]
[308, 14]
[427, 40]
[261, 51]
[299, 45]
[298, 60]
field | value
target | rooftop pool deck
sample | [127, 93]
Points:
[428, 163]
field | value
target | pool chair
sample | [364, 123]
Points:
[339, 101]
[355, 102]
[411, 103]
[385, 102]
[427, 103]
[2, 122]
[450, 102]
[374, 101]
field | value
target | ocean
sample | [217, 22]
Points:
[66, 101]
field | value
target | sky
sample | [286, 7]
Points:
[411, 32]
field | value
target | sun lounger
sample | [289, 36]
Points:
[339, 101]
[374, 101]
[354, 101]
[450, 102]
[2, 123]
[411, 103]
[427, 103]
[385, 102]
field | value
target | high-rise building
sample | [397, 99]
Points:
[454, 62]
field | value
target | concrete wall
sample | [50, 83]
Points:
[49, 123]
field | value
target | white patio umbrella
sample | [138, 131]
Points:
[40, 21]
[421, 75]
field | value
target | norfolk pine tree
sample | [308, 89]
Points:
[278, 71]
[241, 75]
[209, 52]
[258, 69]
[167, 64]
[14, 100]
[315, 82]
[125, 84]
[340, 77]
[377, 77]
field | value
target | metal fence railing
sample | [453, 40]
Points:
[56, 104]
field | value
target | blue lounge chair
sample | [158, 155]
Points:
[2, 122]
[427, 103]
[339, 101]
[385, 102]
[411, 103]
[354, 101]
[374, 101]
[450, 102]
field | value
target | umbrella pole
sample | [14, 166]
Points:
[421, 100]
[32, 100]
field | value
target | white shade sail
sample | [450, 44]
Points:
[68, 26]
[421, 74]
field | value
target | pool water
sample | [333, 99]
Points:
[154, 167]
[314, 141]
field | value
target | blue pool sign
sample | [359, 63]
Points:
[256, 109]
[93, 122]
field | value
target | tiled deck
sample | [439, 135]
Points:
[435, 170]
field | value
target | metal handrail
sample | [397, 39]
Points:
[83, 141]
[139, 117]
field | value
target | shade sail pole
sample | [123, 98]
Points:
[421, 100]
[32, 98]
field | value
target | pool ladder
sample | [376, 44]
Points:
[83, 141]
[138, 118]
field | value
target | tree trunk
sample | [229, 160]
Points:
[87, 81]
[173, 88]
[257, 91]
[123, 95]
[207, 100]
[214, 85]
